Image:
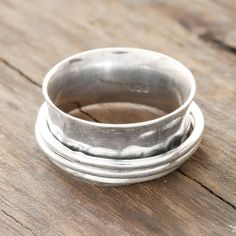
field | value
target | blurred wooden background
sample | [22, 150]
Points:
[37, 198]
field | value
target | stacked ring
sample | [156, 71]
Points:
[117, 154]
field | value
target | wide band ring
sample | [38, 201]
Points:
[121, 75]
[117, 154]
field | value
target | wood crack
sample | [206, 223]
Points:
[17, 221]
[208, 189]
[40, 86]
[85, 112]
[19, 71]
[208, 37]
[89, 115]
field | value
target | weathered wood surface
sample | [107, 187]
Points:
[38, 199]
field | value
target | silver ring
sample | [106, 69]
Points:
[117, 154]
[120, 75]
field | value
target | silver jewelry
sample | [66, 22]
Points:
[117, 154]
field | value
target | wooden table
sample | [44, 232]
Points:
[37, 198]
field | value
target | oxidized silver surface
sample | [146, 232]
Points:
[118, 154]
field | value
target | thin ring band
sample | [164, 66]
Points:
[113, 181]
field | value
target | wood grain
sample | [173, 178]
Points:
[37, 198]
